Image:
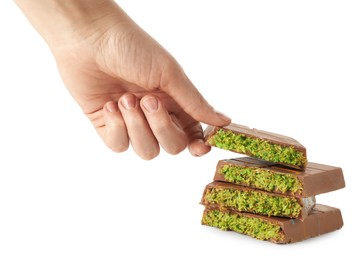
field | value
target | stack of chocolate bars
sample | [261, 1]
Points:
[269, 194]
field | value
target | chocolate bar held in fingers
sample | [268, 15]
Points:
[321, 220]
[251, 172]
[257, 143]
[239, 198]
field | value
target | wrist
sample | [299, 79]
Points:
[64, 22]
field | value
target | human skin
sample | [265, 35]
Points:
[132, 90]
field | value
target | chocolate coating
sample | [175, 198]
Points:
[316, 178]
[272, 138]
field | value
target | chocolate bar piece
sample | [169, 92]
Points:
[236, 197]
[321, 220]
[257, 143]
[251, 172]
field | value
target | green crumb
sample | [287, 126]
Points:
[256, 147]
[262, 179]
[254, 227]
[253, 201]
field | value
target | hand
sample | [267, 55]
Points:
[132, 89]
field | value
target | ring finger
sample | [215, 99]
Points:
[141, 137]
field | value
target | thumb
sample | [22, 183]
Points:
[178, 86]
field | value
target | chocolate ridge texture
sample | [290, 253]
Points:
[272, 177]
[236, 197]
[322, 219]
[258, 143]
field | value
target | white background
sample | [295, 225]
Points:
[290, 67]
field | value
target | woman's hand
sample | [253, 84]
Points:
[129, 86]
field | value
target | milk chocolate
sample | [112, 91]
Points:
[322, 219]
[267, 146]
[239, 198]
[314, 180]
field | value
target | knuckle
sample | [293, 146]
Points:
[150, 154]
[117, 147]
[177, 149]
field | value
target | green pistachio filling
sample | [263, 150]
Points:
[256, 147]
[254, 227]
[253, 201]
[262, 179]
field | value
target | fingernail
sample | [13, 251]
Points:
[111, 107]
[223, 116]
[128, 101]
[151, 104]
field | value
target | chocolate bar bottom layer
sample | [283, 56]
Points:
[321, 220]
